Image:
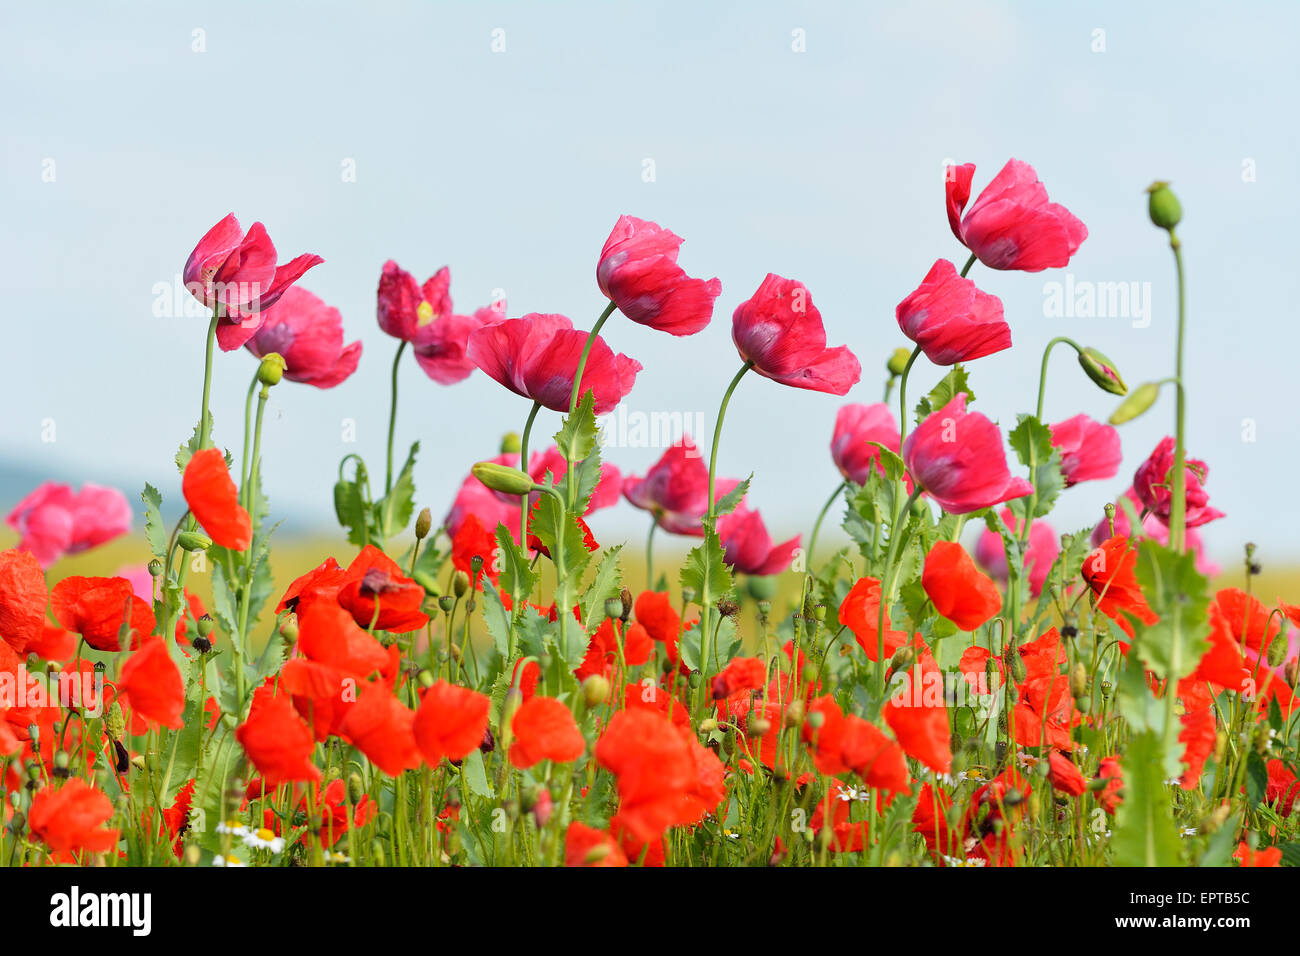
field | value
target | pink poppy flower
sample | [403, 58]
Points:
[951, 319]
[1153, 485]
[749, 547]
[1043, 548]
[1012, 225]
[1154, 528]
[958, 458]
[551, 461]
[676, 489]
[238, 271]
[53, 520]
[780, 331]
[537, 357]
[638, 272]
[1089, 449]
[309, 334]
[856, 427]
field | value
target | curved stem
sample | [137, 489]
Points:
[1178, 505]
[241, 652]
[812, 541]
[1042, 373]
[248, 425]
[582, 362]
[526, 502]
[207, 378]
[887, 585]
[902, 397]
[392, 419]
[717, 433]
[969, 262]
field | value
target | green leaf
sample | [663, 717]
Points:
[1032, 442]
[577, 435]
[705, 570]
[154, 531]
[393, 511]
[517, 577]
[607, 583]
[475, 776]
[1256, 779]
[496, 618]
[1290, 854]
[1173, 645]
[1222, 843]
[731, 500]
[1145, 833]
[943, 393]
[890, 462]
[187, 450]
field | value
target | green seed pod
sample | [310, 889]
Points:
[758, 726]
[595, 690]
[614, 608]
[1102, 371]
[446, 603]
[272, 369]
[502, 478]
[1143, 397]
[510, 443]
[426, 678]
[1163, 206]
[156, 568]
[761, 587]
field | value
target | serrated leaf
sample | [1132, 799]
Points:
[731, 500]
[890, 462]
[577, 435]
[496, 618]
[1176, 592]
[474, 774]
[705, 571]
[943, 393]
[1032, 442]
[1145, 833]
[517, 577]
[393, 511]
[187, 449]
[154, 531]
[607, 583]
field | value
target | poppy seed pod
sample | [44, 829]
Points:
[205, 625]
[595, 690]
[503, 478]
[1143, 397]
[272, 369]
[1102, 371]
[759, 726]
[614, 608]
[1163, 206]
[155, 568]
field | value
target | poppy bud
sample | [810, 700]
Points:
[1290, 672]
[761, 587]
[595, 690]
[708, 725]
[155, 568]
[1017, 665]
[289, 629]
[459, 584]
[1276, 652]
[897, 362]
[1163, 206]
[794, 714]
[1102, 371]
[1143, 397]
[423, 524]
[502, 478]
[426, 678]
[689, 595]
[902, 659]
[272, 369]
[510, 443]
[1078, 680]
[447, 602]
[614, 608]
[356, 788]
[759, 726]
[193, 541]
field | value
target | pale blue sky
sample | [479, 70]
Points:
[512, 167]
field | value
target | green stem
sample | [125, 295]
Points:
[241, 651]
[207, 378]
[887, 585]
[392, 419]
[902, 397]
[717, 433]
[582, 362]
[650, 554]
[1178, 506]
[248, 414]
[1042, 374]
[525, 503]
[969, 262]
[812, 541]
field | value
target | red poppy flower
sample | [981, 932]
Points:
[152, 684]
[1111, 795]
[1012, 225]
[638, 272]
[214, 500]
[324, 578]
[475, 541]
[952, 319]
[308, 334]
[54, 644]
[378, 596]
[860, 613]
[958, 458]
[537, 357]
[654, 611]
[97, 608]
[1269, 856]
[381, 727]
[603, 649]
[22, 599]
[741, 673]
[276, 740]
[328, 634]
[587, 846]
[1110, 571]
[1198, 737]
[780, 331]
[858, 429]
[71, 818]
[1153, 483]
[1045, 702]
[1089, 450]
[1065, 776]
[917, 713]
[450, 722]
[543, 729]
[1283, 787]
[748, 546]
[318, 694]
[959, 591]
[647, 695]
[334, 813]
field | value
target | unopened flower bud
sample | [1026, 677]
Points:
[459, 584]
[289, 629]
[1143, 397]
[193, 541]
[510, 443]
[423, 524]
[758, 726]
[1163, 206]
[503, 478]
[114, 721]
[897, 361]
[595, 690]
[903, 659]
[1277, 651]
[794, 713]
[1098, 367]
[426, 678]
[708, 725]
[761, 587]
[1078, 680]
[272, 368]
